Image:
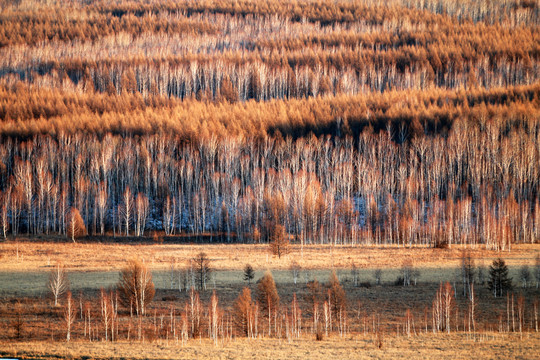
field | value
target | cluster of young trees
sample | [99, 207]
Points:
[500, 284]
[322, 310]
[253, 318]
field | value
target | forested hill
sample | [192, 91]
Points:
[402, 122]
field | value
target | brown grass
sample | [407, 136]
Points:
[425, 346]
[92, 266]
[32, 255]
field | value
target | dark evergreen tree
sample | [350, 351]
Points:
[249, 273]
[499, 282]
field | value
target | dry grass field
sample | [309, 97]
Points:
[25, 266]
[37, 255]
[424, 346]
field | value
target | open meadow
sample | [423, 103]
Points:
[39, 254]
[376, 313]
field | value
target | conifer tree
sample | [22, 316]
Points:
[499, 282]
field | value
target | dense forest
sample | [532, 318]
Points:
[348, 122]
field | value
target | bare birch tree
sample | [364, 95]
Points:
[70, 313]
[58, 282]
[76, 227]
[141, 213]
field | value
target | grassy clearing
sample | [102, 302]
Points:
[34, 283]
[25, 265]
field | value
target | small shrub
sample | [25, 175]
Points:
[379, 339]
[249, 273]
[365, 284]
[440, 242]
[319, 335]
[157, 239]
[169, 298]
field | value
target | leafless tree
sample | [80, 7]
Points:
[15, 205]
[195, 313]
[443, 305]
[106, 313]
[409, 322]
[23, 173]
[70, 313]
[472, 308]
[214, 313]
[136, 287]
[126, 210]
[101, 206]
[521, 312]
[447, 296]
[76, 227]
[4, 209]
[295, 269]
[202, 269]
[58, 282]
[168, 216]
[141, 213]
